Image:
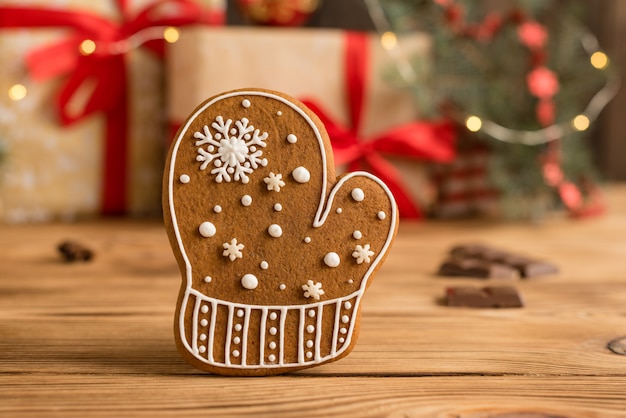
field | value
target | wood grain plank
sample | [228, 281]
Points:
[197, 395]
[96, 338]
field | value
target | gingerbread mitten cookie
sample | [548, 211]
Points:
[275, 252]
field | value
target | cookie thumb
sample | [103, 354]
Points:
[362, 215]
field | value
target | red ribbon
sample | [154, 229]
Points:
[432, 141]
[104, 71]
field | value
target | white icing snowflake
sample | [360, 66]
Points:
[232, 150]
[274, 182]
[232, 250]
[312, 290]
[362, 254]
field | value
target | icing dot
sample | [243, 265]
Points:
[307, 239]
[275, 230]
[311, 313]
[204, 322]
[278, 207]
[381, 215]
[350, 281]
[202, 349]
[309, 343]
[202, 337]
[279, 113]
[273, 316]
[217, 209]
[272, 345]
[292, 139]
[246, 200]
[345, 319]
[343, 330]
[245, 103]
[236, 340]
[357, 234]
[357, 194]
[207, 229]
[347, 305]
[310, 328]
[273, 330]
[240, 313]
[271, 357]
[282, 287]
[339, 210]
[249, 281]
[309, 354]
[184, 179]
[332, 259]
[204, 309]
[264, 265]
[341, 340]
[238, 327]
[235, 353]
[301, 175]
[208, 279]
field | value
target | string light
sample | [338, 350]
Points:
[171, 34]
[581, 123]
[87, 47]
[389, 40]
[598, 60]
[17, 92]
[473, 123]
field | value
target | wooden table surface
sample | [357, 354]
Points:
[96, 339]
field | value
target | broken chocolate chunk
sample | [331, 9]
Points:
[486, 297]
[526, 266]
[474, 267]
[74, 251]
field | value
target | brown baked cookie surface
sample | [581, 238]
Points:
[275, 252]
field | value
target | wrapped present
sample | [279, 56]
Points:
[83, 123]
[372, 124]
[463, 186]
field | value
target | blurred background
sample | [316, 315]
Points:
[605, 18]
[505, 110]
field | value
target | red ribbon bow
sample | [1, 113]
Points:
[432, 141]
[103, 72]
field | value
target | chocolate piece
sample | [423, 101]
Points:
[486, 297]
[526, 266]
[74, 251]
[474, 267]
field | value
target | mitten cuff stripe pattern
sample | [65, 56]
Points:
[276, 328]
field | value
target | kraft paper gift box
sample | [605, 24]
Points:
[56, 172]
[307, 64]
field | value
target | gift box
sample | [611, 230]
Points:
[82, 125]
[463, 187]
[372, 124]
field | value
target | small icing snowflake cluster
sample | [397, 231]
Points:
[312, 290]
[274, 182]
[232, 150]
[232, 250]
[362, 254]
